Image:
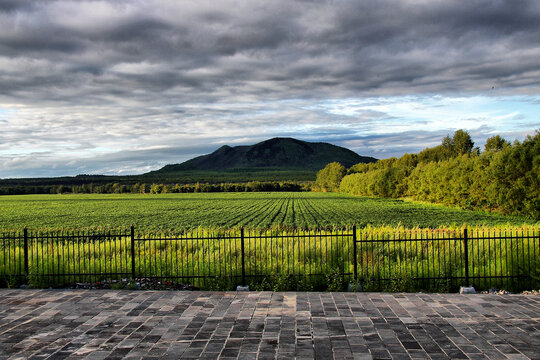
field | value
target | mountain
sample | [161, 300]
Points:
[276, 153]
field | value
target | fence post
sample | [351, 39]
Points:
[355, 265]
[26, 252]
[465, 243]
[243, 260]
[132, 252]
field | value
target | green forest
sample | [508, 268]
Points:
[504, 177]
[163, 188]
[189, 181]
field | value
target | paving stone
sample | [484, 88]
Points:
[107, 324]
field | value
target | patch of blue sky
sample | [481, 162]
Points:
[4, 114]
[434, 113]
[21, 152]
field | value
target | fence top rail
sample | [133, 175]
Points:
[188, 229]
[77, 236]
[406, 240]
[189, 238]
[246, 237]
[527, 232]
[389, 237]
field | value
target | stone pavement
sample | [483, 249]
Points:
[115, 324]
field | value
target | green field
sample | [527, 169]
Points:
[177, 211]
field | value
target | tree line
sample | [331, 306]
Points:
[155, 188]
[504, 177]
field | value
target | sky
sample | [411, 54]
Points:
[125, 87]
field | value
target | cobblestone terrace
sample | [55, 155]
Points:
[107, 324]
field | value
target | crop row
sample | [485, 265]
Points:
[255, 210]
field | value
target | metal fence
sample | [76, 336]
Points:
[445, 259]
[212, 258]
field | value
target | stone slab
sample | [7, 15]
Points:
[116, 324]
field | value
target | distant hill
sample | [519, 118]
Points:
[276, 153]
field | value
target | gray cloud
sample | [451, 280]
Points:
[292, 49]
[121, 76]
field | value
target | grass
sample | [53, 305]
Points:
[284, 248]
[228, 210]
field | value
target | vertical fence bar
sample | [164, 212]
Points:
[466, 250]
[26, 253]
[534, 251]
[132, 252]
[355, 257]
[243, 256]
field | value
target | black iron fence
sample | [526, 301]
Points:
[405, 260]
[445, 259]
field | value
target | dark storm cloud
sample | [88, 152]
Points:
[291, 48]
[156, 72]
[14, 5]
